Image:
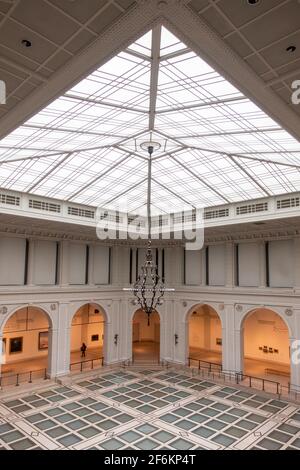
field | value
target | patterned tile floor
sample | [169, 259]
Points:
[146, 409]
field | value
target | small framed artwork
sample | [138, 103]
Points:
[219, 341]
[95, 338]
[276, 351]
[260, 348]
[43, 340]
[16, 345]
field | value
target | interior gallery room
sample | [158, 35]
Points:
[150, 225]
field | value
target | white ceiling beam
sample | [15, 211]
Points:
[155, 53]
[205, 42]
[112, 41]
[137, 54]
[245, 131]
[105, 103]
[200, 105]
[171, 55]
[71, 131]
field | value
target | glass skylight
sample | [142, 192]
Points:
[216, 146]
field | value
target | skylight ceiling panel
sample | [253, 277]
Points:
[169, 42]
[281, 157]
[10, 153]
[224, 175]
[143, 45]
[116, 181]
[175, 177]
[25, 173]
[276, 179]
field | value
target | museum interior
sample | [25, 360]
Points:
[149, 224]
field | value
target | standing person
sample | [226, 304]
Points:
[83, 349]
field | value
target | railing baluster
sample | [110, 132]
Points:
[30, 377]
[17, 383]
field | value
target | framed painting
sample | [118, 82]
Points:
[43, 340]
[16, 345]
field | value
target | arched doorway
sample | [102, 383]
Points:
[25, 342]
[145, 338]
[204, 335]
[266, 351]
[88, 327]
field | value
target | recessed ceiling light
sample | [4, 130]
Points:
[291, 49]
[253, 2]
[26, 43]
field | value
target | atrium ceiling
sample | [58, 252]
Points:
[84, 144]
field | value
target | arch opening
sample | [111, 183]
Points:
[204, 335]
[25, 343]
[87, 328]
[145, 338]
[266, 346]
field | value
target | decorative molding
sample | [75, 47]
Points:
[239, 308]
[3, 310]
[288, 312]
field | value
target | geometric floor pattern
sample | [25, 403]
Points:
[146, 409]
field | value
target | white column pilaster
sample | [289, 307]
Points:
[59, 344]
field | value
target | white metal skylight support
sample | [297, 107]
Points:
[217, 146]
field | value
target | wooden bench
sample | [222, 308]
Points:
[277, 372]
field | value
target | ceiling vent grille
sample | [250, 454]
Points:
[289, 202]
[9, 200]
[44, 206]
[78, 212]
[252, 208]
[216, 213]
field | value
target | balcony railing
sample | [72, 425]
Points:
[22, 377]
[87, 364]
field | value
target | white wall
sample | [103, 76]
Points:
[12, 259]
[101, 264]
[266, 328]
[77, 263]
[44, 271]
[193, 267]
[146, 333]
[216, 265]
[281, 263]
[86, 323]
[204, 328]
[248, 264]
[27, 327]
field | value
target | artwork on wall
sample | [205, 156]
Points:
[95, 338]
[219, 341]
[267, 349]
[16, 345]
[43, 340]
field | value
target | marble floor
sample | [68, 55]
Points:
[252, 367]
[145, 409]
[145, 351]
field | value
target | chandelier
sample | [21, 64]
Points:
[149, 288]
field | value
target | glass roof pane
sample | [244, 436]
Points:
[216, 145]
